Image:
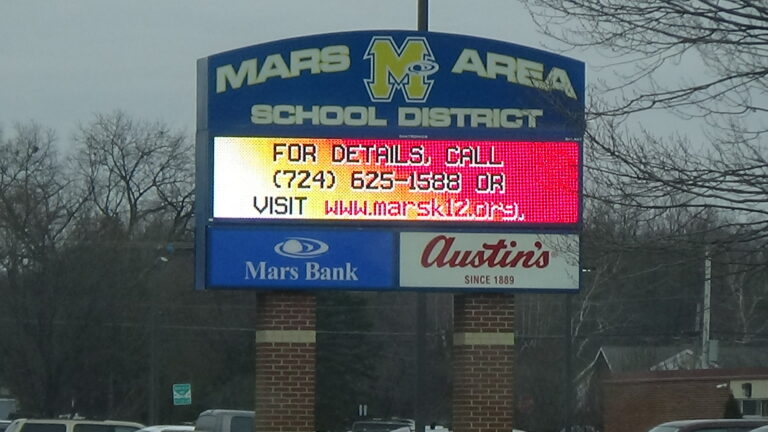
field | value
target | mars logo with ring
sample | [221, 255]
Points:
[405, 67]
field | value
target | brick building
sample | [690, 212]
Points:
[625, 388]
[637, 401]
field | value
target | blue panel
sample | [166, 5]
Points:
[461, 73]
[245, 257]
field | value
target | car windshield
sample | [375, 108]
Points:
[102, 428]
[43, 427]
[242, 424]
[664, 429]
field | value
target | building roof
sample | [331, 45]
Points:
[678, 357]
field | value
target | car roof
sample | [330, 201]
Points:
[167, 428]
[226, 411]
[396, 422]
[382, 422]
[699, 422]
[83, 421]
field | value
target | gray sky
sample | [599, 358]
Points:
[61, 61]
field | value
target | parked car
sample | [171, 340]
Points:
[224, 420]
[58, 425]
[4, 424]
[167, 428]
[383, 425]
[760, 429]
[710, 425]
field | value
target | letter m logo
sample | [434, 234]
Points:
[406, 68]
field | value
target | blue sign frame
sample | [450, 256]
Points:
[386, 84]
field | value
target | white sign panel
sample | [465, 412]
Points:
[489, 261]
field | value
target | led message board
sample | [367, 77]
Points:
[313, 150]
[396, 180]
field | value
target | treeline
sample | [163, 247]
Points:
[98, 315]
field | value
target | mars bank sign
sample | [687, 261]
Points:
[287, 258]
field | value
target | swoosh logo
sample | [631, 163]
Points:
[423, 68]
[301, 247]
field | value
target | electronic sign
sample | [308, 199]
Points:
[384, 133]
[396, 180]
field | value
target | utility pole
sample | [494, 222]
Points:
[423, 17]
[568, 414]
[706, 310]
[152, 379]
[152, 339]
[421, 297]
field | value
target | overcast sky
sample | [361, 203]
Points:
[61, 61]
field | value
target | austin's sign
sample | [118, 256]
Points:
[489, 260]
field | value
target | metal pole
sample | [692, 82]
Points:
[421, 341]
[421, 300]
[152, 400]
[568, 420]
[423, 17]
[706, 311]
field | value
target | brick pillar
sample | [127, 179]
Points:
[285, 362]
[483, 362]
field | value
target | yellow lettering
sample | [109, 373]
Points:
[308, 59]
[334, 58]
[469, 61]
[516, 70]
[501, 65]
[557, 79]
[226, 74]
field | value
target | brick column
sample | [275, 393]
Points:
[483, 362]
[285, 362]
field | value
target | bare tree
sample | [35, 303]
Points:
[37, 201]
[682, 60]
[727, 182]
[37, 207]
[740, 293]
[650, 37]
[74, 263]
[137, 172]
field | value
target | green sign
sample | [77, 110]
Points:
[182, 394]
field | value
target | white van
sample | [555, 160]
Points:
[223, 420]
[57, 425]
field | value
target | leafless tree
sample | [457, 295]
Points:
[726, 182]
[37, 200]
[137, 172]
[728, 39]
[740, 296]
[678, 60]
[75, 264]
[38, 204]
